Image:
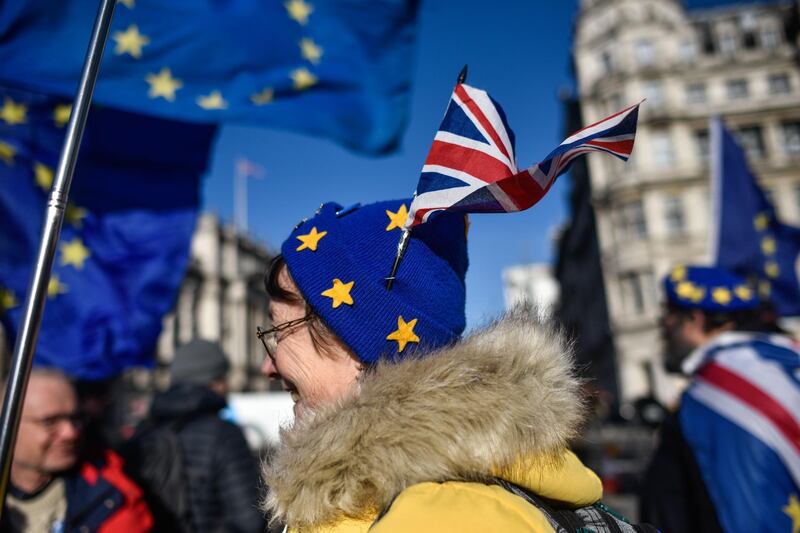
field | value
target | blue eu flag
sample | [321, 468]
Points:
[749, 238]
[338, 69]
[125, 241]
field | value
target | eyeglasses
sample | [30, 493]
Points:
[52, 423]
[269, 337]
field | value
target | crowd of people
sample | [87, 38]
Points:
[404, 424]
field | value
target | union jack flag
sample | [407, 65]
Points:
[471, 166]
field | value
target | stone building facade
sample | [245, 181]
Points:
[222, 298]
[738, 61]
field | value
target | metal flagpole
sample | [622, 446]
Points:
[56, 203]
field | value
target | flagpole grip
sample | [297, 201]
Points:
[33, 308]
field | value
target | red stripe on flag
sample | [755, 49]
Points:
[463, 159]
[758, 400]
[622, 147]
[476, 110]
[522, 189]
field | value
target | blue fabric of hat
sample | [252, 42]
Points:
[709, 289]
[340, 258]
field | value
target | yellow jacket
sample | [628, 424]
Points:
[419, 437]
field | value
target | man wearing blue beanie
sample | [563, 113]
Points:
[401, 424]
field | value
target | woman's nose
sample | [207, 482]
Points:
[268, 367]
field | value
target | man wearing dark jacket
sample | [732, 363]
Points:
[221, 473]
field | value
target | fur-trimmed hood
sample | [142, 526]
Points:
[504, 395]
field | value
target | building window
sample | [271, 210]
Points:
[752, 142]
[779, 83]
[791, 138]
[702, 146]
[606, 62]
[663, 151]
[615, 103]
[770, 37]
[653, 91]
[632, 220]
[688, 51]
[737, 89]
[696, 93]
[645, 53]
[674, 215]
[727, 43]
[633, 286]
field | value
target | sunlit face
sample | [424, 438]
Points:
[311, 377]
[49, 433]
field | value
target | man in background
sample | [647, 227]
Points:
[55, 486]
[729, 458]
[197, 469]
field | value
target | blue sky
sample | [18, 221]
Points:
[517, 50]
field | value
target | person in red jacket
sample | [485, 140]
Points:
[55, 485]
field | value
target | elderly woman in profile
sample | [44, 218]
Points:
[400, 424]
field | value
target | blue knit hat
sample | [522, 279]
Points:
[340, 259]
[709, 288]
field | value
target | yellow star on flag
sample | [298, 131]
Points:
[721, 295]
[339, 293]
[744, 293]
[299, 11]
[74, 215]
[262, 97]
[43, 175]
[771, 269]
[130, 41]
[310, 50]
[404, 333]
[310, 240]
[396, 220]
[61, 114]
[74, 253]
[7, 300]
[793, 510]
[302, 78]
[761, 221]
[13, 113]
[768, 245]
[7, 153]
[163, 85]
[678, 273]
[212, 101]
[130, 4]
[55, 287]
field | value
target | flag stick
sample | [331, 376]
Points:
[54, 216]
[402, 245]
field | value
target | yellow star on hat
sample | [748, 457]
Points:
[678, 273]
[310, 50]
[302, 79]
[310, 240]
[299, 11]
[214, 100]
[721, 295]
[744, 293]
[396, 220]
[404, 333]
[339, 293]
